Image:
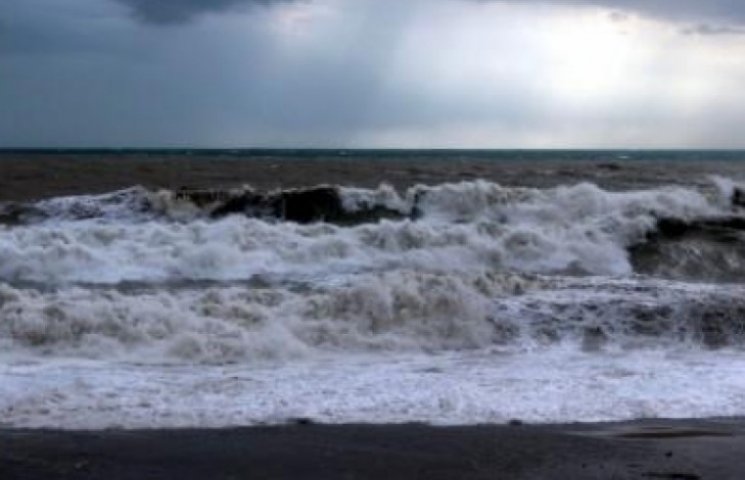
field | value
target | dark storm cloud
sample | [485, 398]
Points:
[351, 73]
[181, 11]
[701, 12]
[38, 28]
[709, 17]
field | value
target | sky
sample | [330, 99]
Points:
[372, 73]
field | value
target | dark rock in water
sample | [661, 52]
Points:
[738, 197]
[673, 476]
[710, 249]
[716, 229]
[611, 166]
[416, 210]
[302, 421]
[311, 205]
[317, 204]
[732, 223]
[247, 203]
[324, 204]
[19, 213]
[672, 227]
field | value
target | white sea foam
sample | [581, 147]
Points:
[484, 387]
[125, 205]
[726, 189]
[467, 226]
[481, 303]
[393, 312]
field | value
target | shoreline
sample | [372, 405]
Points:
[666, 449]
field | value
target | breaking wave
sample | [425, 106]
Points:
[222, 276]
[139, 235]
[397, 312]
[477, 302]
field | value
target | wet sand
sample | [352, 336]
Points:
[685, 449]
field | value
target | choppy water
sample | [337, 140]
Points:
[462, 302]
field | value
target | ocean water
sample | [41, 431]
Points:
[449, 303]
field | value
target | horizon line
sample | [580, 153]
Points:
[367, 149]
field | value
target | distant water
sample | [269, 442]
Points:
[608, 286]
[403, 155]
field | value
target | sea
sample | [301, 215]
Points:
[587, 286]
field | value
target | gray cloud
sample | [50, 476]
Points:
[707, 29]
[348, 73]
[619, 17]
[720, 11]
[714, 15]
[702, 17]
[31, 28]
[181, 11]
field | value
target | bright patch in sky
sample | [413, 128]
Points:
[591, 56]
